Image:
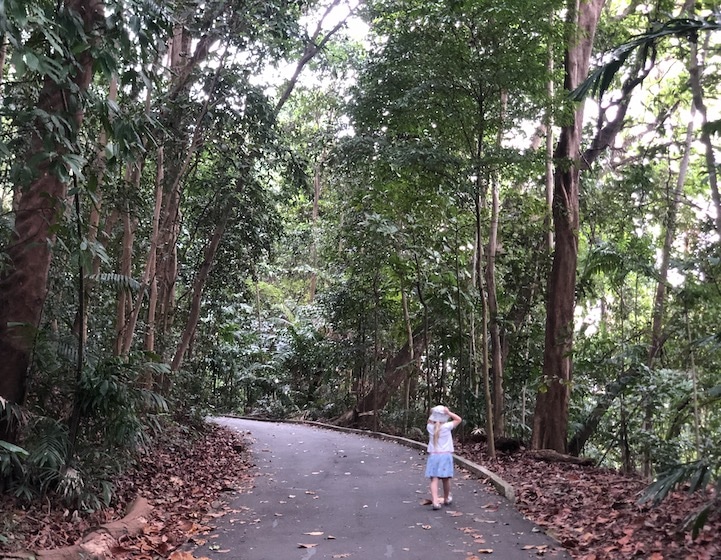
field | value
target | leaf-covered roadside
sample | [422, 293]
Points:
[594, 512]
[183, 477]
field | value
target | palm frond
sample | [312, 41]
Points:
[600, 79]
[696, 472]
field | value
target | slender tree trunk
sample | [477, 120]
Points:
[198, 285]
[178, 153]
[314, 224]
[151, 278]
[490, 432]
[123, 328]
[499, 397]
[131, 320]
[550, 89]
[3, 55]
[499, 407]
[659, 301]
[411, 345]
[695, 70]
[23, 287]
[550, 420]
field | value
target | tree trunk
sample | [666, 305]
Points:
[695, 70]
[499, 406]
[550, 89]
[550, 420]
[396, 371]
[23, 288]
[591, 422]
[127, 330]
[604, 138]
[314, 226]
[198, 285]
[411, 346]
[123, 313]
[659, 301]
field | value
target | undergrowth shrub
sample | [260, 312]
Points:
[119, 415]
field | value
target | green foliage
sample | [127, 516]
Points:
[694, 476]
[10, 458]
[115, 404]
[644, 44]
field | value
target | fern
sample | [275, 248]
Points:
[117, 281]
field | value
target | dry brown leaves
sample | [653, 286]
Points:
[183, 478]
[594, 513]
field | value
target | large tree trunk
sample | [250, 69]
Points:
[604, 138]
[23, 287]
[550, 421]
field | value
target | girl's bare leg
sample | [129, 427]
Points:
[446, 489]
[434, 491]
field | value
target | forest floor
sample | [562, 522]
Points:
[592, 512]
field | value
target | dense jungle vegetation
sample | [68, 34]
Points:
[351, 212]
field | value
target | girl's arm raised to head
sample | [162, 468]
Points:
[454, 417]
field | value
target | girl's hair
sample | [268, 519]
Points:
[436, 432]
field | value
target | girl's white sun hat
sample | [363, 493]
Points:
[438, 414]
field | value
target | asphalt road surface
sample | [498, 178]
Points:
[323, 494]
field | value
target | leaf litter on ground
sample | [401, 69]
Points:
[593, 512]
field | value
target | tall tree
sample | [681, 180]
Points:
[39, 203]
[550, 420]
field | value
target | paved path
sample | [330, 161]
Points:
[327, 494]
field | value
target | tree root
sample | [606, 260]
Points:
[551, 456]
[98, 544]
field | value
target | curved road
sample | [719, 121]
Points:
[327, 494]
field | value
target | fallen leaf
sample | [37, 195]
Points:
[426, 527]
[302, 545]
[534, 547]
[485, 550]
[314, 533]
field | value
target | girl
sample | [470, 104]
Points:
[440, 452]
